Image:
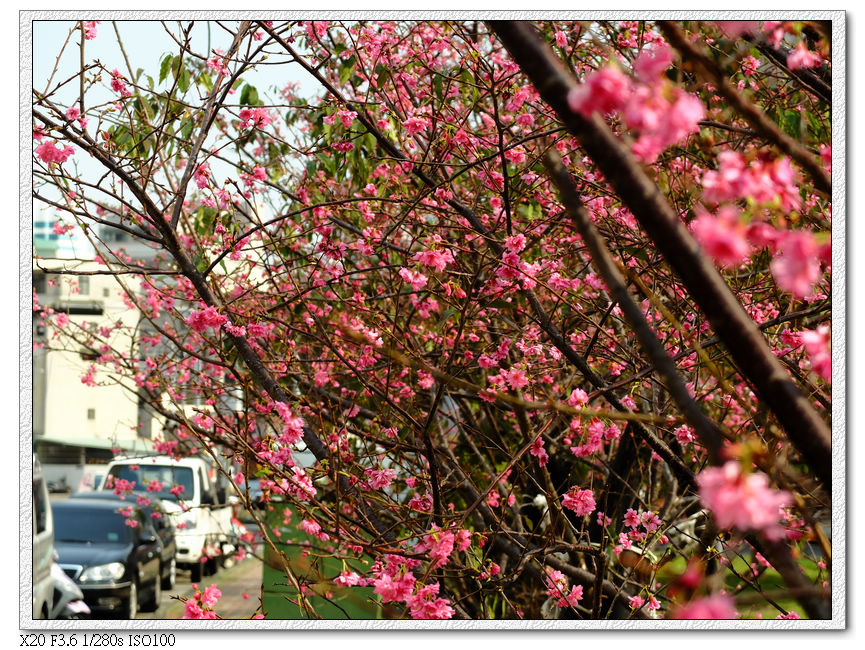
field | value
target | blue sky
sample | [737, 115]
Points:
[145, 43]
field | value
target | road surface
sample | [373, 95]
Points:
[244, 578]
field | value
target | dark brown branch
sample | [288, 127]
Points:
[708, 432]
[755, 117]
[803, 425]
[681, 470]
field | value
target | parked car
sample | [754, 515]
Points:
[115, 563]
[43, 545]
[158, 515]
[199, 506]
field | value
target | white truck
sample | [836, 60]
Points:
[199, 509]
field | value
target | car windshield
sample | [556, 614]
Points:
[167, 476]
[94, 526]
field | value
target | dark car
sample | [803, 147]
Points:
[161, 520]
[115, 564]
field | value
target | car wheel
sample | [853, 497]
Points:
[196, 572]
[169, 580]
[152, 603]
[131, 609]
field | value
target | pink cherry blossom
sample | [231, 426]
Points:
[118, 84]
[210, 595]
[537, 450]
[49, 152]
[716, 606]
[90, 29]
[801, 57]
[415, 125]
[735, 28]
[380, 478]
[437, 259]
[604, 91]
[796, 266]
[207, 317]
[817, 346]
[557, 588]
[581, 502]
[723, 236]
[254, 118]
[653, 62]
[416, 279]
[742, 501]
[684, 434]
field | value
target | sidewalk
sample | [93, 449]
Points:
[243, 578]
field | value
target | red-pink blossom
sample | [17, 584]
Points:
[716, 606]
[604, 91]
[90, 29]
[207, 317]
[653, 62]
[685, 434]
[437, 259]
[118, 84]
[516, 243]
[426, 605]
[202, 175]
[817, 346]
[578, 398]
[254, 118]
[415, 125]
[416, 279]
[581, 502]
[796, 266]
[210, 595]
[49, 153]
[537, 450]
[735, 28]
[802, 57]
[742, 501]
[723, 236]
[557, 587]
[380, 478]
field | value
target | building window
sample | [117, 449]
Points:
[105, 292]
[91, 414]
[39, 282]
[84, 286]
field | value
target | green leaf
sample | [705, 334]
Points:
[183, 80]
[201, 262]
[789, 121]
[346, 69]
[382, 74]
[205, 82]
[165, 67]
[249, 96]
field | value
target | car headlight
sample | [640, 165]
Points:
[111, 572]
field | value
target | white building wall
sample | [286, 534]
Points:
[67, 398]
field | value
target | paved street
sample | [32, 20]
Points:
[242, 578]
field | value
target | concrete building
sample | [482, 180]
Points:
[75, 426]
